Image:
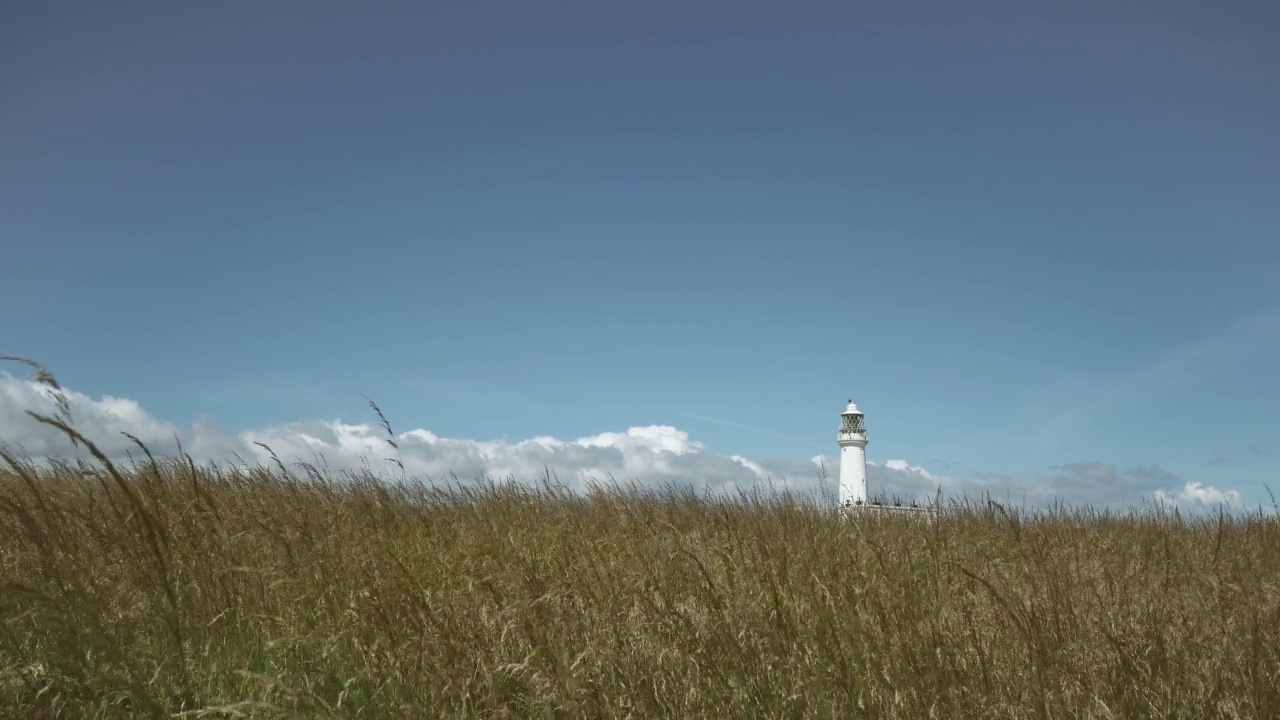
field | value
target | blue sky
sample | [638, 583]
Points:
[1022, 237]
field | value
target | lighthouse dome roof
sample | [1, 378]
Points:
[852, 409]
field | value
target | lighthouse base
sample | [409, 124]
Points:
[865, 510]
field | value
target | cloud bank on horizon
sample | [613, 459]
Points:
[654, 455]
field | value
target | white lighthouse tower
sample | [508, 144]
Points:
[853, 457]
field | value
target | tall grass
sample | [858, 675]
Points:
[164, 589]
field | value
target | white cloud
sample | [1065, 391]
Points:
[756, 468]
[653, 455]
[1098, 485]
[904, 466]
[100, 420]
[656, 454]
[1104, 485]
[1197, 494]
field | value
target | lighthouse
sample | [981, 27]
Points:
[853, 457]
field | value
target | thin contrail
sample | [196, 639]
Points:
[729, 423]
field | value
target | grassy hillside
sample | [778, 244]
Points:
[164, 589]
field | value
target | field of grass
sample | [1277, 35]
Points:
[163, 589]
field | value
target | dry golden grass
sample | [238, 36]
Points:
[164, 590]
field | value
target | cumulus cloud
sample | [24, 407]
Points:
[655, 455]
[1195, 493]
[1105, 485]
[1092, 484]
[100, 420]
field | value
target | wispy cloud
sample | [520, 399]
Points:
[454, 391]
[1251, 335]
[945, 465]
[740, 426]
[1219, 458]
[1255, 450]
[1078, 400]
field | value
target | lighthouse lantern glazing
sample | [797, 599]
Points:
[853, 457]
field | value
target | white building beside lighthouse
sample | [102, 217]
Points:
[853, 457]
